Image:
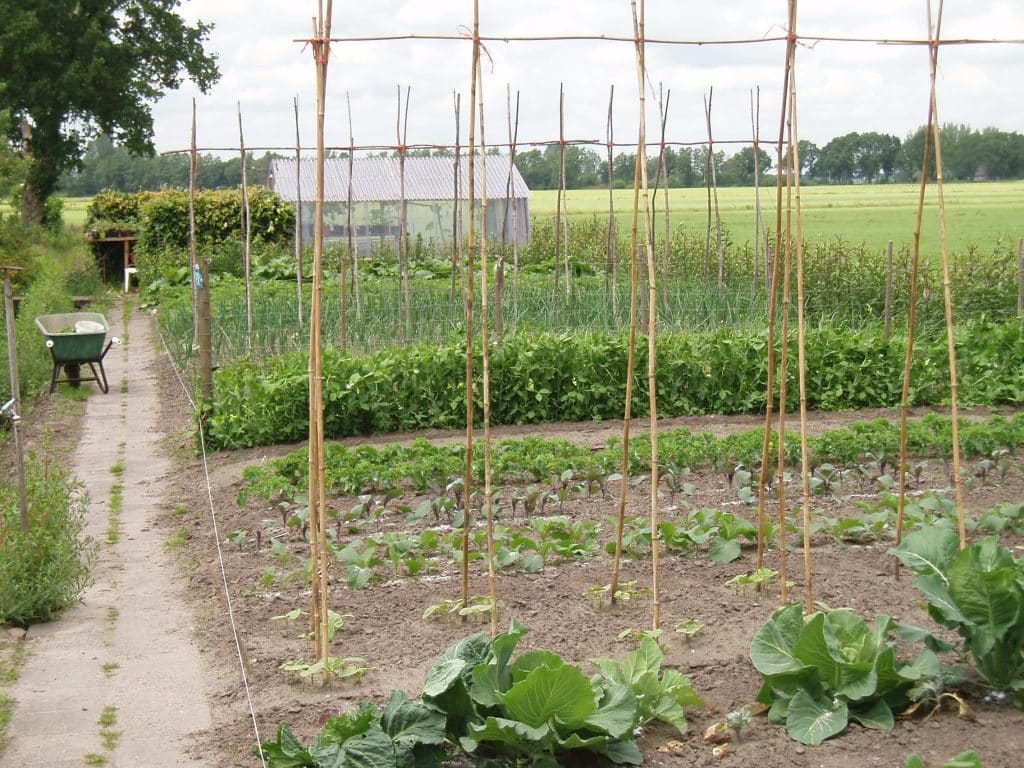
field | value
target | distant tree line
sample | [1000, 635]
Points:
[863, 158]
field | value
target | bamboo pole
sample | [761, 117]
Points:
[755, 130]
[246, 235]
[947, 293]
[611, 264]
[470, 280]
[317, 491]
[888, 291]
[908, 358]
[663, 172]
[1020, 275]
[560, 196]
[713, 181]
[786, 253]
[353, 247]
[456, 218]
[652, 309]
[805, 469]
[485, 321]
[298, 214]
[403, 237]
[509, 216]
[15, 414]
[773, 293]
[515, 210]
[627, 419]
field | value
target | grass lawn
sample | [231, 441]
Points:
[976, 213]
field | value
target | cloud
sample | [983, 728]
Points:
[842, 86]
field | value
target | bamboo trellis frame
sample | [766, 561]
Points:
[787, 248]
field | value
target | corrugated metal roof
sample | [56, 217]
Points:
[376, 179]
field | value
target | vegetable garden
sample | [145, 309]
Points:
[644, 582]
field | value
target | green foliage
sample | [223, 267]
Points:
[477, 699]
[47, 294]
[979, 592]
[658, 698]
[43, 571]
[830, 668]
[163, 218]
[966, 759]
[68, 73]
[404, 734]
[579, 377]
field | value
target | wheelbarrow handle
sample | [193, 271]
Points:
[113, 340]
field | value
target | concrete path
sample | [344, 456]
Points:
[126, 655]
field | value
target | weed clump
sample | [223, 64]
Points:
[45, 570]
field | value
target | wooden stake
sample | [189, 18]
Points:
[15, 415]
[246, 235]
[200, 281]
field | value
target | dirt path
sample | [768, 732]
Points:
[118, 680]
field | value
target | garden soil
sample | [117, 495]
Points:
[386, 625]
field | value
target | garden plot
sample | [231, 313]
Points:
[397, 560]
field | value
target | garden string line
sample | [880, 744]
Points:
[220, 553]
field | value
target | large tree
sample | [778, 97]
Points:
[70, 68]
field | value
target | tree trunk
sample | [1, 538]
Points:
[43, 149]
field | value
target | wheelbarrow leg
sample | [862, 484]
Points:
[101, 377]
[53, 378]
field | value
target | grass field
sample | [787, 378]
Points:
[976, 213]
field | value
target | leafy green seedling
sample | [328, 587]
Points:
[689, 628]
[639, 635]
[335, 667]
[478, 605]
[759, 579]
[625, 591]
[238, 538]
[967, 759]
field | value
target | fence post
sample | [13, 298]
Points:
[12, 409]
[888, 291]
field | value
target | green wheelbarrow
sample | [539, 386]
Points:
[76, 339]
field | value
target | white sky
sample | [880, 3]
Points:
[842, 87]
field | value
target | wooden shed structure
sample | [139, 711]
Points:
[376, 195]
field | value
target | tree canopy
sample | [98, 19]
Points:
[72, 68]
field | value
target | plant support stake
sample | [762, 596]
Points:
[12, 410]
